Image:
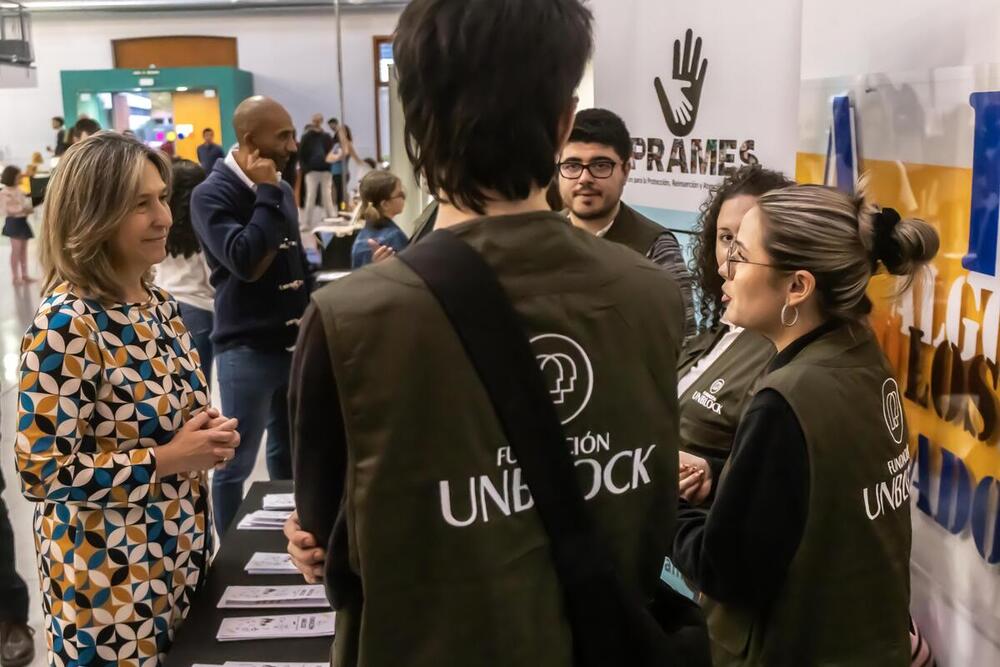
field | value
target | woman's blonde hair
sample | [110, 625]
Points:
[93, 190]
[376, 187]
[840, 239]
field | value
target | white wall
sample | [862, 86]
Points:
[293, 57]
[850, 37]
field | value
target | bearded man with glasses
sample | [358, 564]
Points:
[593, 169]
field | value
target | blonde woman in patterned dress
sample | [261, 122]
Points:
[114, 431]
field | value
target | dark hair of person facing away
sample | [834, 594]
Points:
[752, 180]
[485, 85]
[88, 125]
[181, 239]
[600, 126]
[9, 176]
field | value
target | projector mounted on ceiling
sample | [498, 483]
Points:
[15, 35]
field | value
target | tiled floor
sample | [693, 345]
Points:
[17, 306]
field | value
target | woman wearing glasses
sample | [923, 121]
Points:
[382, 199]
[804, 555]
[719, 366]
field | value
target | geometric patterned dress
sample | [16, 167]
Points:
[120, 551]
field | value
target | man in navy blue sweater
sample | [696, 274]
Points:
[247, 221]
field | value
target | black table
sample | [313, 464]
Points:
[195, 641]
[335, 250]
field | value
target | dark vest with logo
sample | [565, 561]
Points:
[634, 230]
[712, 406]
[845, 601]
[438, 528]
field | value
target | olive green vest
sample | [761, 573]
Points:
[634, 230]
[845, 600]
[712, 406]
[438, 528]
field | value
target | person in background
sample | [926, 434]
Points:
[724, 360]
[375, 458]
[336, 159]
[801, 561]
[15, 207]
[168, 149]
[208, 151]
[382, 199]
[335, 171]
[350, 179]
[62, 136]
[593, 170]
[313, 151]
[290, 174]
[183, 273]
[85, 127]
[37, 163]
[246, 219]
[115, 433]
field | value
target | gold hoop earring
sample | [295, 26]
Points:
[784, 318]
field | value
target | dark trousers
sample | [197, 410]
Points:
[338, 190]
[254, 388]
[199, 323]
[13, 592]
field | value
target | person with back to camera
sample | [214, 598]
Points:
[115, 433]
[802, 559]
[383, 468]
[724, 360]
[382, 199]
[184, 272]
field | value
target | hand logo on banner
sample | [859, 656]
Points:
[680, 97]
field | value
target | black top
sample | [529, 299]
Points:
[61, 143]
[313, 149]
[740, 549]
[259, 270]
[208, 154]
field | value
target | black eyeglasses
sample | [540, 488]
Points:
[597, 169]
[732, 258]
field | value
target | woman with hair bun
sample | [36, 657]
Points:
[804, 556]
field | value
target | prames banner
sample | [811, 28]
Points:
[704, 88]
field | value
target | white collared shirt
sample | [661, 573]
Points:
[604, 231]
[238, 170]
[611, 224]
[703, 364]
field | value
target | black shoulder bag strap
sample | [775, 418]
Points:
[611, 625]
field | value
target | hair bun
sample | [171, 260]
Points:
[901, 245]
